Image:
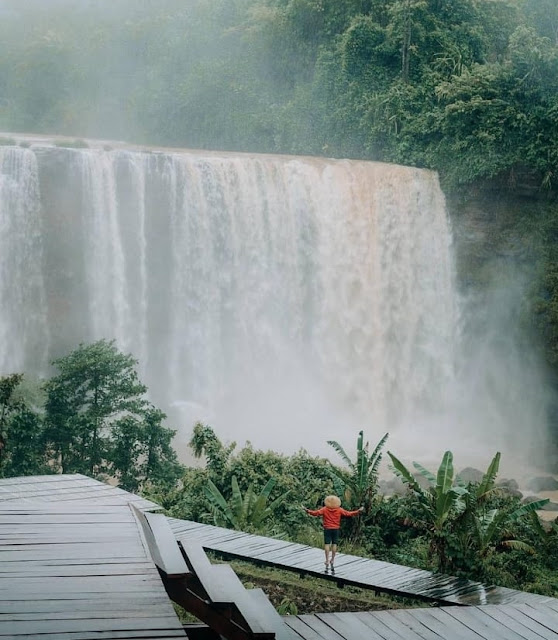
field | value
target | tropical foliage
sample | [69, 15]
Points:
[438, 504]
[92, 418]
[244, 513]
[361, 483]
[464, 524]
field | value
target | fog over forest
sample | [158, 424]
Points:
[455, 348]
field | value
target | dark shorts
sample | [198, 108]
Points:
[331, 536]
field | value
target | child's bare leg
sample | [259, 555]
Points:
[326, 550]
[333, 552]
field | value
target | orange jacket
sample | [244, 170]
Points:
[332, 515]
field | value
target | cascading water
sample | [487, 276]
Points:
[24, 339]
[285, 300]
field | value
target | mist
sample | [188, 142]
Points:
[351, 315]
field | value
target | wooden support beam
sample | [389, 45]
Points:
[218, 618]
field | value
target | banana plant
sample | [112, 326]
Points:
[243, 513]
[439, 502]
[360, 484]
[491, 528]
[468, 524]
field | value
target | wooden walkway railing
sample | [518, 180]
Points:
[382, 577]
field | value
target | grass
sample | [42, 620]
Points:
[310, 594]
[296, 595]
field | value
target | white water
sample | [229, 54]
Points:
[24, 338]
[284, 300]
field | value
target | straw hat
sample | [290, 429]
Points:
[332, 501]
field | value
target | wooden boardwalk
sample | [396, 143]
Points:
[76, 571]
[382, 577]
[68, 487]
[491, 622]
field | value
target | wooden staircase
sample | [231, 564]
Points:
[213, 593]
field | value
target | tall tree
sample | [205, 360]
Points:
[21, 429]
[8, 405]
[96, 386]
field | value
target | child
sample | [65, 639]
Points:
[331, 514]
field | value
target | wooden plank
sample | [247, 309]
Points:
[481, 628]
[370, 619]
[349, 626]
[13, 569]
[29, 627]
[392, 622]
[505, 620]
[221, 583]
[149, 634]
[116, 602]
[76, 561]
[458, 631]
[162, 543]
[542, 630]
[95, 614]
[323, 630]
[71, 584]
[417, 626]
[538, 614]
[301, 628]
[67, 551]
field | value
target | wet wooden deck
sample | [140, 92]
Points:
[78, 568]
[491, 622]
[78, 571]
[68, 487]
[382, 577]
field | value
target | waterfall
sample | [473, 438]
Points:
[284, 300]
[24, 335]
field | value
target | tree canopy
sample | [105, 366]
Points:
[94, 419]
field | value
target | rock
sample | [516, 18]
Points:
[542, 483]
[508, 484]
[509, 487]
[470, 474]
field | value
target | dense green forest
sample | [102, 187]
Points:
[92, 417]
[466, 87]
